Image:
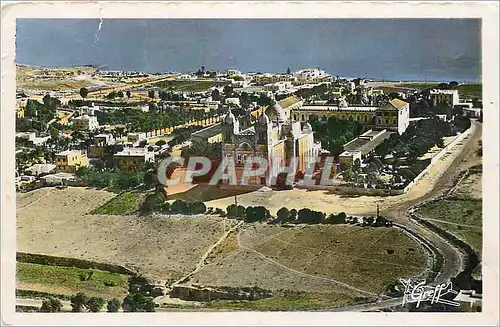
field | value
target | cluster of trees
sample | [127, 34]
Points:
[201, 72]
[248, 214]
[334, 133]
[170, 96]
[140, 297]
[419, 137]
[158, 117]
[37, 115]
[308, 216]
[114, 94]
[82, 303]
[156, 202]
[117, 180]
[316, 92]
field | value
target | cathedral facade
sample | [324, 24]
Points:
[275, 137]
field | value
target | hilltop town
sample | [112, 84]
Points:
[401, 196]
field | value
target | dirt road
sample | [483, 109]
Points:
[465, 159]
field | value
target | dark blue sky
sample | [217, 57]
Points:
[413, 49]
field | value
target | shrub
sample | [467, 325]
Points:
[51, 305]
[165, 207]
[283, 215]
[113, 305]
[179, 206]
[138, 303]
[231, 211]
[197, 207]
[94, 304]
[79, 302]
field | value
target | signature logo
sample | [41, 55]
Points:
[419, 292]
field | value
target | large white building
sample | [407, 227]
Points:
[309, 74]
[85, 123]
[449, 97]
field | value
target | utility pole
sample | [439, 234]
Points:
[378, 211]
[235, 200]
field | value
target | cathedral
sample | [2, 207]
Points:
[272, 136]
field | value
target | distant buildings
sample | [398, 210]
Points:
[101, 141]
[134, 139]
[70, 160]
[85, 123]
[32, 138]
[133, 159]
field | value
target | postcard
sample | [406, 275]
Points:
[220, 163]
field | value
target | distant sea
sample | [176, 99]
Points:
[381, 49]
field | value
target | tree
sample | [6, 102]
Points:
[84, 92]
[94, 304]
[283, 215]
[216, 95]
[129, 94]
[197, 207]
[288, 71]
[151, 94]
[179, 206]
[78, 302]
[119, 94]
[51, 305]
[113, 305]
[54, 133]
[137, 302]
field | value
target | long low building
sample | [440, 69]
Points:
[363, 145]
[210, 134]
[395, 115]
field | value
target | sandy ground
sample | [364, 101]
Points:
[56, 224]
[327, 202]
[316, 259]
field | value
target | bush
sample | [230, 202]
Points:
[197, 207]
[79, 302]
[179, 206]
[309, 216]
[51, 305]
[254, 214]
[283, 215]
[138, 303]
[113, 305]
[94, 304]
[336, 219]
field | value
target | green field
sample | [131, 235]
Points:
[186, 86]
[122, 204]
[68, 280]
[289, 302]
[461, 217]
[471, 90]
[418, 85]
